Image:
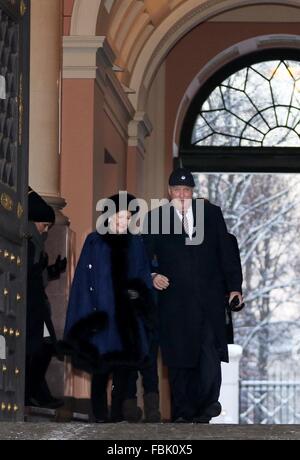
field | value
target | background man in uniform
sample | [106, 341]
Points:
[191, 291]
[40, 334]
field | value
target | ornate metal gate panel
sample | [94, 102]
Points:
[14, 79]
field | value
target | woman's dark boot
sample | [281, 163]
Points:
[132, 413]
[151, 408]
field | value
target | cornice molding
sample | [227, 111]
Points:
[138, 130]
[82, 56]
[117, 105]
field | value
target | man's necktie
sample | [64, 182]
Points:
[185, 223]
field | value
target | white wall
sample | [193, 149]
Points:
[229, 397]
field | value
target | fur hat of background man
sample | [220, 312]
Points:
[38, 209]
[181, 176]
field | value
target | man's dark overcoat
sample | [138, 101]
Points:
[197, 288]
[237, 259]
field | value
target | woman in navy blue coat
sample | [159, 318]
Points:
[108, 324]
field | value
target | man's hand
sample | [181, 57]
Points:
[160, 282]
[239, 295]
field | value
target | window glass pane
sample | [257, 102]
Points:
[215, 101]
[254, 81]
[258, 105]
[201, 130]
[282, 85]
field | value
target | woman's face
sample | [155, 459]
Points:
[118, 223]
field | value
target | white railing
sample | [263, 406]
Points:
[269, 402]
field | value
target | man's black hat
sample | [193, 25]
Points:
[181, 176]
[38, 209]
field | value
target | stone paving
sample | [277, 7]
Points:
[164, 431]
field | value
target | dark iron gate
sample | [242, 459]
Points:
[14, 84]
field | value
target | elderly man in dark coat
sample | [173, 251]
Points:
[191, 290]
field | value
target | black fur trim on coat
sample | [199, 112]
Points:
[133, 300]
[84, 355]
[133, 306]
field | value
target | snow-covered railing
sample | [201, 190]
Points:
[270, 402]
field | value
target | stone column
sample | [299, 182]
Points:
[139, 129]
[44, 152]
[45, 87]
[86, 61]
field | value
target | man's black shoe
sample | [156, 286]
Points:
[201, 419]
[182, 420]
[213, 410]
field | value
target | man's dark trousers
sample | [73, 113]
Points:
[195, 389]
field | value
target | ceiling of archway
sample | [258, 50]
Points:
[132, 22]
[130, 25]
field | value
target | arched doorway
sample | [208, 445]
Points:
[139, 58]
[242, 133]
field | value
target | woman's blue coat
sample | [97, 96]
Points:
[92, 289]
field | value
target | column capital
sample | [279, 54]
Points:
[138, 130]
[82, 56]
[58, 204]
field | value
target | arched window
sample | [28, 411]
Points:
[247, 117]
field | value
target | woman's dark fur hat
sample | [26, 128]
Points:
[121, 201]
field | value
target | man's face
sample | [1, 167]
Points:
[181, 196]
[43, 227]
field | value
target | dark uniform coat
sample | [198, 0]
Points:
[197, 289]
[38, 307]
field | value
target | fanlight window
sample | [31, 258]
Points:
[258, 106]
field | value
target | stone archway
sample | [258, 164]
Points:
[177, 24]
[84, 17]
[146, 41]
